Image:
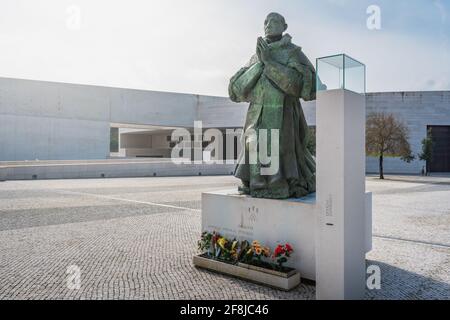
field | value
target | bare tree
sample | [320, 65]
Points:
[387, 136]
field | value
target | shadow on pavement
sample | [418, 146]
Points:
[400, 284]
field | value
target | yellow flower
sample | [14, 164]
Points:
[221, 242]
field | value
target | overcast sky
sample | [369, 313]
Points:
[195, 46]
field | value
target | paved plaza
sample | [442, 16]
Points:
[134, 238]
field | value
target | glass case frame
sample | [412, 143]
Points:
[340, 71]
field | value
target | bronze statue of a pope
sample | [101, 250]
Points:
[273, 81]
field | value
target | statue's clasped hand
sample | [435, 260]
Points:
[263, 51]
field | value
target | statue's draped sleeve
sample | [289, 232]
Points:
[296, 79]
[244, 80]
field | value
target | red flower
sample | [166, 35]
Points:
[289, 248]
[278, 250]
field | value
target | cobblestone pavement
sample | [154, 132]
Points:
[135, 238]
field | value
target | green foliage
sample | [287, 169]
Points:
[243, 249]
[248, 256]
[228, 250]
[427, 148]
[204, 244]
[408, 158]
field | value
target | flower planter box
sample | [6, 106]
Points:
[274, 272]
[272, 278]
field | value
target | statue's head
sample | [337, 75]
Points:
[274, 25]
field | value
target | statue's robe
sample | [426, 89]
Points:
[273, 91]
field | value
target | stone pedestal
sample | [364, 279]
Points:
[269, 221]
[273, 222]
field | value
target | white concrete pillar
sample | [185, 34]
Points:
[340, 222]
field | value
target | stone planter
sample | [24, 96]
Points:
[272, 278]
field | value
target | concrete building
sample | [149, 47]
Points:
[58, 121]
[419, 111]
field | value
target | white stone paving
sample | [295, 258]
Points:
[133, 238]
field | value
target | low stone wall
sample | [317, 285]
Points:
[107, 169]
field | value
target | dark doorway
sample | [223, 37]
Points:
[441, 149]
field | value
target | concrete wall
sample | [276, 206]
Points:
[218, 112]
[135, 141]
[146, 144]
[41, 120]
[48, 120]
[31, 137]
[107, 169]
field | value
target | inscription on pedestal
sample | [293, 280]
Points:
[329, 221]
[244, 226]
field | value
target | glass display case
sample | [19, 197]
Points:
[340, 72]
